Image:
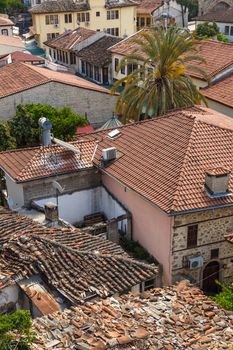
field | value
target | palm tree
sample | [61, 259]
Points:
[160, 80]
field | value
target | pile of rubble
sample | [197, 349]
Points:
[179, 317]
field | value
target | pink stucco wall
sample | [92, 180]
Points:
[150, 225]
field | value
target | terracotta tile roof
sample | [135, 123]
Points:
[97, 53]
[76, 274]
[224, 16]
[173, 318]
[19, 56]
[111, 4]
[38, 162]
[68, 39]
[148, 6]
[11, 41]
[84, 129]
[17, 77]
[4, 22]
[165, 159]
[218, 55]
[126, 46]
[13, 226]
[221, 91]
[60, 6]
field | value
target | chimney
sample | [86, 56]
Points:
[46, 127]
[217, 182]
[51, 212]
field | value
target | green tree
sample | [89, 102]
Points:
[15, 331]
[222, 37]
[188, 5]
[6, 140]
[9, 6]
[25, 129]
[161, 82]
[207, 30]
[225, 297]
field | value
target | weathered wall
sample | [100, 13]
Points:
[43, 188]
[150, 225]
[15, 194]
[73, 207]
[219, 107]
[213, 225]
[9, 298]
[98, 105]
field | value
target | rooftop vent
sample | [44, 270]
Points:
[114, 133]
[51, 212]
[109, 154]
[217, 182]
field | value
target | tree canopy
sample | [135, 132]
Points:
[159, 80]
[23, 130]
[15, 331]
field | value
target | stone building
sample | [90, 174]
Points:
[30, 84]
[206, 6]
[173, 174]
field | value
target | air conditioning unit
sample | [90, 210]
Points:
[109, 154]
[195, 262]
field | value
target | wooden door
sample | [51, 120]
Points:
[210, 275]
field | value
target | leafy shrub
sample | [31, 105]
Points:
[225, 297]
[207, 30]
[136, 250]
[15, 331]
[23, 130]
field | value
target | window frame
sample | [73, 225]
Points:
[192, 236]
[227, 30]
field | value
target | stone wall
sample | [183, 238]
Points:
[206, 6]
[213, 225]
[83, 179]
[98, 106]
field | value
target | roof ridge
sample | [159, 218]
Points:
[185, 159]
[101, 255]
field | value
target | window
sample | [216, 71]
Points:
[113, 14]
[83, 67]
[122, 70]
[4, 31]
[131, 67]
[83, 17]
[51, 36]
[54, 54]
[147, 285]
[231, 32]
[72, 58]
[227, 30]
[51, 19]
[142, 22]
[192, 236]
[113, 31]
[68, 18]
[50, 52]
[96, 73]
[116, 65]
[148, 22]
[214, 254]
[97, 14]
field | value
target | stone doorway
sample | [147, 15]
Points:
[211, 273]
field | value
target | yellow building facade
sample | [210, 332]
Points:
[52, 18]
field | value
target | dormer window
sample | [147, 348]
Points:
[217, 182]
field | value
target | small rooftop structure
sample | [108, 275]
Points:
[70, 38]
[112, 123]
